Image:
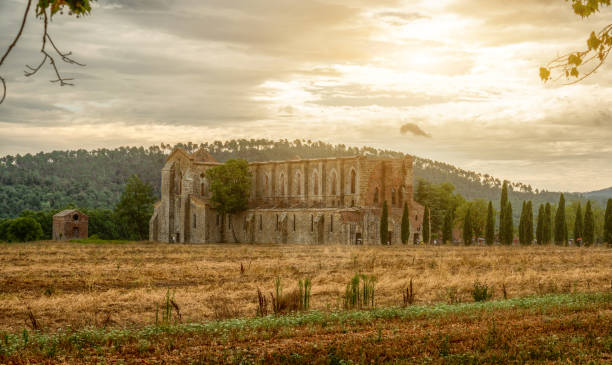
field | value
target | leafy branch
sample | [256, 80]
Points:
[45, 9]
[577, 66]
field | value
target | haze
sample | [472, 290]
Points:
[456, 81]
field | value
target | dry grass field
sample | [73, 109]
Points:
[121, 285]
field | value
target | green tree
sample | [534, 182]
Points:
[522, 224]
[426, 226]
[529, 223]
[607, 236]
[547, 226]
[406, 224]
[384, 225]
[578, 226]
[230, 186]
[508, 225]
[135, 208]
[467, 228]
[503, 203]
[447, 229]
[589, 225]
[560, 224]
[490, 230]
[540, 225]
[581, 64]
[23, 229]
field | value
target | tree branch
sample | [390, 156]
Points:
[12, 45]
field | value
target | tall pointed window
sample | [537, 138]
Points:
[334, 182]
[282, 185]
[315, 183]
[353, 181]
[376, 195]
[298, 183]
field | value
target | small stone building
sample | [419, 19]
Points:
[70, 224]
[313, 201]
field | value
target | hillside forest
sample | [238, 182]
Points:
[94, 180]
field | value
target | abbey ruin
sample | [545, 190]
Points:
[314, 201]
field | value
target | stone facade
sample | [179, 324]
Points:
[70, 224]
[314, 201]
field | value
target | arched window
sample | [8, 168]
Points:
[393, 197]
[315, 183]
[179, 183]
[203, 186]
[353, 181]
[311, 223]
[334, 183]
[376, 195]
[282, 185]
[298, 183]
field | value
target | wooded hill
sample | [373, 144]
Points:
[95, 179]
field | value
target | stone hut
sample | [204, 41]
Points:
[313, 201]
[70, 224]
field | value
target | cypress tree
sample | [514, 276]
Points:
[405, 224]
[384, 224]
[529, 223]
[508, 225]
[467, 228]
[547, 226]
[578, 226]
[522, 222]
[608, 223]
[503, 202]
[490, 229]
[540, 226]
[447, 227]
[589, 225]
[426, 228]
[560, 224]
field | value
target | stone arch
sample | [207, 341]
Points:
[281, 184]
[298, 183]
[353, 181]
[203, 185]
[333, 186]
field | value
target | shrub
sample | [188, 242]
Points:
[23, 229]
[359, 292]
[408, 295]
[296, 300]
[481, 292]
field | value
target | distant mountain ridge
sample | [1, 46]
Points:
[95, 179]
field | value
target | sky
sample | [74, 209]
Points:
[450, 80]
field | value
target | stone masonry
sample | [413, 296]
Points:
[312, 201]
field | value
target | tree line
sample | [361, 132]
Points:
[555, 223]
[95, 179]
[129, 220]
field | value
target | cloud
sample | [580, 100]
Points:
[414, 129]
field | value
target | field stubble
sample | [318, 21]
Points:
[78, 285]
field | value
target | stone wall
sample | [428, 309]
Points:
[314, 201]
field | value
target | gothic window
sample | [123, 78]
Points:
[194, 221]
[294, 223]
[376, 195]
[260, 223]
[276, 223]
[311, 223]
[315, 186]
[298, 183]
[353, 181]
[203, 186]
[179, 183]
[334, 182]
[331, 223]
[282, 185]
[267, 186]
